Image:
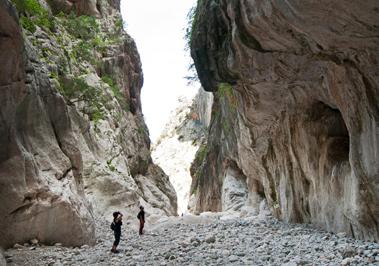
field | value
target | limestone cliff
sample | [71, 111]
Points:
[72, 134]
[180, 140]
[295, 117]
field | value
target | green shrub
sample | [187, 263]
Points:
[61, 14]
[110, 165]
[77, 90]
[115, 40]
[83, 27]
[192, 76]
[32, 7]
[47, 22]
[54, 75]
[141, 130]
[32, 14]
[83, 50]
[28, 24]
[116, 92]
[202, 153]
[108, 80]
[97, 112]
[225, 90]
[194, 190]
[197, 165]
[99, 43]
[119, 24]
[86, 30]
[191, 25]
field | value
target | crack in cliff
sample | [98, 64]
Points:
[65, 173]
[22, 208]
[271, 180]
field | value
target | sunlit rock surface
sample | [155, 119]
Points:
[180, 140]
[65, 160]
[295, 111]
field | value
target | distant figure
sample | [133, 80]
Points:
[116, 227]
[141, 218]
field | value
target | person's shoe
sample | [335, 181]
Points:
[116, 251]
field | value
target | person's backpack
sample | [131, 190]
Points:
[138, 216]
[113, 226]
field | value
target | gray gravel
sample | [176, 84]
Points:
[251, 241]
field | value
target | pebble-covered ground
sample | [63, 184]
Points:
[211, 241]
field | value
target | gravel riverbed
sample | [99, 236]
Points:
[207, 240]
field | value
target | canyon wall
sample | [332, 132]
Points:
[73, 142]
[2, 258]
[296, 118]
[183, 136]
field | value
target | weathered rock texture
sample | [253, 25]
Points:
[2, 259]
[80, 7]
[181, 138]
[71, 127]
[295, 112]
[202, 107]
[40, 164]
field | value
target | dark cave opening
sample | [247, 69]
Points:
[332, 130]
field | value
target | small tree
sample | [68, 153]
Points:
[77, 90]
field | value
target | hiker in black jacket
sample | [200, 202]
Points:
[116, 227]
[141, 218]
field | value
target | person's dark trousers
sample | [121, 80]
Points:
[141, 225]
[117, 237]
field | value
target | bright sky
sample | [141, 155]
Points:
[158, 29]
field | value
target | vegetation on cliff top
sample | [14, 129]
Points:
[191, 24]
[32, 13]
[75, 45]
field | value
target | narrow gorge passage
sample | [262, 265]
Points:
[182, 137]
[176, 148]
[273, 161]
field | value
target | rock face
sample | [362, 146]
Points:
[2, 259]
[295, 113]
[202, 107]
[182, 137]
[80, 7]
[71, 132]
[40, 166]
